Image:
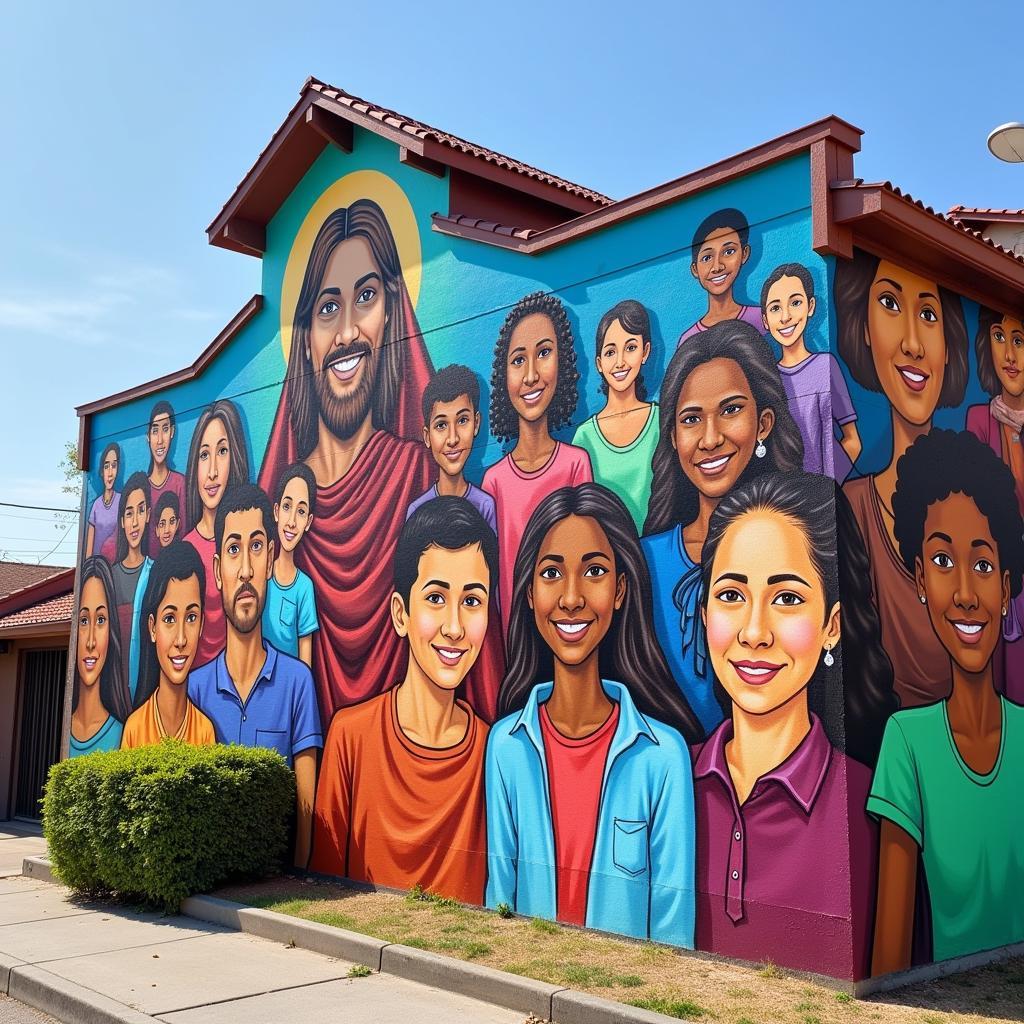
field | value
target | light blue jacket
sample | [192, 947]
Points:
[642, 874]
[138, 637]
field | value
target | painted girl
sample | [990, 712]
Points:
[131, 567]
[103, 514]
[948, 780]
[999, 346]
[100, 701]
[818, 397]
[621, 438]
[589, 795]
[162, 479]
[171, 619]
[773, 787]
[166, 522]
[902, 335]
[724, 419]
[533, 392]
[217, 460]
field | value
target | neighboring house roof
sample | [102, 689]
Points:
[985, 215]
[53, 612]
[40, 605]
[16, 575]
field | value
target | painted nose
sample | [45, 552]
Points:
[532, 374]
[712, 436]
[452, 628]
[966, 595]
[571, 598]
[913, 343]
[755, 632]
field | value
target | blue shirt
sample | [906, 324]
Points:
[642, 872]
[106, 737]
[480, 500]
[280, 712]
[290, 613]
[676, 589]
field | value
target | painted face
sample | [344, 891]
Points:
[166, 527]
[93, 632]
[960, 576]
[450, 432]
[136, 515]
[242, 567]
[787, 311]
[621, 357]
[766, 618]
[108, 471]
[214, 466]
[575, 590]
[161, 433]
[532, 367]
[905, 332]
[346, 334]
[717, 426]
[718, 260]
[446, 620]
[292, 513]
[175, 629]
[1006, 343]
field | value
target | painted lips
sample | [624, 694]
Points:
[756, 673]
[1012, 372]
[450, 656]
[345, 369]
[179, 661]
[572, 631]
[532, 397]
[968, 630]
[914, 378]
[715, 466]
[787, 332]
[89, 663]
[620, 374]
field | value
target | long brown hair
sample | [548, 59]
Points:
[238, 473]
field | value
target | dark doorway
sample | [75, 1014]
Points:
[39, 725]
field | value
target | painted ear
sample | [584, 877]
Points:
[270, 559]
[1006, 589]
[833, 629]
[922, 594]
[399, 614]
[812, 304]
[277, 512]
[216, 573]
[647, 352]
[766, 423]
[152, 628]
[693, 269]
[746, 253]
[476, 423]
[867, 335]
[620, 590]
[426, 436]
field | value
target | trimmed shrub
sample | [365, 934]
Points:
[166, 821]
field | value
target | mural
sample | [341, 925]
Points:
[717, 642]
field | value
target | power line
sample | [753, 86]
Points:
[40, 508]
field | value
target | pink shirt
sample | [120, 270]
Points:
[748, 314]
[175, 483]
[517, 494]
[214, 634]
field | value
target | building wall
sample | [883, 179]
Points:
[773, 643]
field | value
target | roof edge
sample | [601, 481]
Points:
[60, 583]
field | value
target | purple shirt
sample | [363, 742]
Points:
[103, 520]
[749, 314]
[773, 876]
[480, 500]
[818, 398]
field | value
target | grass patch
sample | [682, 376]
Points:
[769, 970]
[538, 924]
[464, 948]
[359, 971]
[681, 1009]
[844, 997]
[595, 976]
[417, 894]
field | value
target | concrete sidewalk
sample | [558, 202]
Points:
[18, 841]
[83, 961]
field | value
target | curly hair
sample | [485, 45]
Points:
[945, 462]
[855, 696]
[504, 420]
[674, 499]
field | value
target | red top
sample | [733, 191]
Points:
[575, 777]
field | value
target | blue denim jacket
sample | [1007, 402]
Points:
[642, 874]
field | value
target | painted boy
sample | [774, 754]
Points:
[451, 422]
[401, 795]
[720, 248]
[289, 618]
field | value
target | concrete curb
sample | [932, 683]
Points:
[65, 1000]
[40, 869]
[569, 1007]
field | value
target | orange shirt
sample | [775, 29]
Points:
[144, 727]
[393, 813]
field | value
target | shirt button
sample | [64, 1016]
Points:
[735, 875]
[243, 718]
[738, 836]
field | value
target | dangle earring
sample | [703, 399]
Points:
[828, 659]
[922, 598]
[760, 451]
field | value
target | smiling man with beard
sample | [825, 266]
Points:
[254, 694]
[350, 411]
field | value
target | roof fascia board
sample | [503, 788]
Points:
[35, 593]
[60, 628]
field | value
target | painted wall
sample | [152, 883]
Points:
[532, 578]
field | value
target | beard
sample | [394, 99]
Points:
[343, 416]
[245, 622]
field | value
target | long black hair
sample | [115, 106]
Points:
[854, 697]
[136, 482]
[674, 499]
[114, 693]
[629, 654]
[112, 446]
[178, 561]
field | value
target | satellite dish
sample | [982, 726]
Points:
[1007, 142]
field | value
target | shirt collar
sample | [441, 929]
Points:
[224, 681]
[801, 775]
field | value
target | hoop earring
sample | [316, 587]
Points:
[828, 659]
[760, 451]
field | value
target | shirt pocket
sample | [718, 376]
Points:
[629, 846]
[275, 739]
[287, 614]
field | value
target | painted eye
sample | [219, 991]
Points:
[223, 450]
[101, 619]
[168, 619]
[329, 308]
[787, 599]
[730, 596]
[549, 573]
[518, 360]
[609, 353]
[999, 336]
[797, 303]
[690, 420]
[732, 409]
[441, 426]
[775, 307]
[436, 599]
[942, 560]
[705, 257]
[984, 566]
[204, 455]
[472, 601]
[192, 617]
[888, 301]
[545, 352]
[632, 347]
[83, 622]
[302, 512]
[365, 296]
[929, 315]
[1018, 341]
[233, 550]
[729, 250]
[595, 572]
[256, 546]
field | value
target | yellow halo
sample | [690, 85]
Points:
[345, 191]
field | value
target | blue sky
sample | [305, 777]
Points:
[125, 130]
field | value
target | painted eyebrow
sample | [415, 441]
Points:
[927, 295]
[936, 535]
[476, 586]
[980, 543]
[518, 348]
[889, 280]
[329, 291]
[365, 279]
[553, 558]
[736, 577]
[169, 608]
[730, 399]
[593, 554]
[436, 583]
[787, 577]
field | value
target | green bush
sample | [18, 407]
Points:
[166, 821]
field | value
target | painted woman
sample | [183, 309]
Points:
[724, 418]
[162, 478]
[999, 346]
[100, 701]
[947, 788]
[103, 513]
[130, 569]
[774, 789]
[217, 459]
[533, 393]
[903, 336]
[589, 786]
[621, 438]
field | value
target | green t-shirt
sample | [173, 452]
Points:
[970, 827]
[626, 471]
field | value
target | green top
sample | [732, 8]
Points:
[970, 827]
[627, 470]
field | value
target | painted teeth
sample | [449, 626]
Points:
[915, 377]
[714, 463]
[348, 364]
[572, 627]
[971, 629]
[757, 671]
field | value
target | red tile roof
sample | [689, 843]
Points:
[980, 212]
[54, 611]
[16, 575]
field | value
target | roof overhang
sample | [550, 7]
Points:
[53, 586]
